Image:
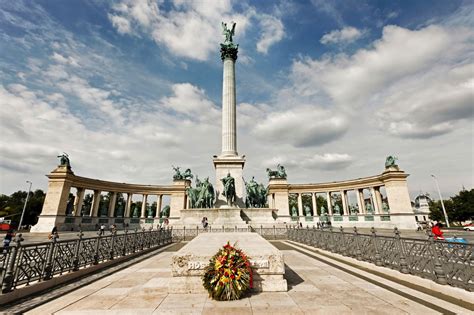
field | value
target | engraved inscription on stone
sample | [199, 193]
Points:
[260, 263]
[196, 265]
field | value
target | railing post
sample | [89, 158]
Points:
[235, 228]
[440, 275]
[356, 240]
[342, 246]
[124, 248]
[75, 262]
[112, 241]
[403, 261]
[378, 258]
[274, 232]
[261, 230]
[7, 284]
[184, 233]
[97, 246]
[48, 269]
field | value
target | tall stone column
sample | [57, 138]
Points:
[112, 202]
[159, 201]
[95, 203]
[229, 162]
[313, 199]
[143, 214]
[128, 206]
[328, 200]
[360, 201]
[378, 199]
[345, 209]
[374, 200]
[300, 204]
[79, 201]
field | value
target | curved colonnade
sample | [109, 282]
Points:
[381, 201]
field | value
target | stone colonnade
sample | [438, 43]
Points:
[62, 181]
[393, 209]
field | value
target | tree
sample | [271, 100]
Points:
[459, 208]
[12, 206]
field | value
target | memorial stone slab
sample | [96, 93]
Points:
[189, 263]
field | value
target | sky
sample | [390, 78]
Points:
[327, 88]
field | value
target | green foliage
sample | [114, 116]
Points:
[12, 206]
[458, 208]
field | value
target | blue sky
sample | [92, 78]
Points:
[327, 88]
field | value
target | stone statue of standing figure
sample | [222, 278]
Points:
[229, 33]
[229, 189]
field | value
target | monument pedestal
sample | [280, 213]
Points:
[233, 165]
[189, 263]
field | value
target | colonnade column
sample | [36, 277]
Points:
[360, 201]
[378, 200]
[374, 200]
[313, 200]
[159, 201]
[345, 209]
[328, 200]
[128, 205]
[300, 204]
[112, 202]
[95, 203]
[143, 206]
[79, 201]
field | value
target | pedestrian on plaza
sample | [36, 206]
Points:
[436, 230]
[329, 224]
[318, 225]
[301, 225]
[54, 232]
[102, 229]
[8, 238]
[418, 226]
[113, 228]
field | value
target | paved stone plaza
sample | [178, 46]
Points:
[314, 288]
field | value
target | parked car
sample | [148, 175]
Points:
[469, 228]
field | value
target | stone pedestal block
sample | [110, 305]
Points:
[189, 263]
[234, 166]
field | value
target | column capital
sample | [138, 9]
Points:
[229, 51]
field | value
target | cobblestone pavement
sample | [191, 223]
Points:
[314, 288]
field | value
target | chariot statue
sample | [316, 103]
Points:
[391, 162]
[64, 160]
[280, 172]
[185, 175]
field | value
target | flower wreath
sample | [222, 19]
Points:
[228, 275]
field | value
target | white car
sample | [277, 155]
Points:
[469, 228]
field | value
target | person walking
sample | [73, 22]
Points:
[436, 230]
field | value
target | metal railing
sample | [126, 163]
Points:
[26, 264]
[269, 233]
[443, 262]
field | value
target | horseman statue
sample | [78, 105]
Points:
[280, 173]
[229, 189]
[256, 194]
[180, 176]
[203, 195]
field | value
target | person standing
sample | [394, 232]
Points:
[102, 229]
[8, 238]
[436, 230]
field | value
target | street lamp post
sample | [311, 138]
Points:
[441, 198]
[24, 206]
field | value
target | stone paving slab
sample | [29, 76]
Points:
[314, 288]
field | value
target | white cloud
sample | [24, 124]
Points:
[306, 126]
[326, 161]
[273, 32]
[190, 100]
[416, 81]
[346, 35]
[191, 29]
